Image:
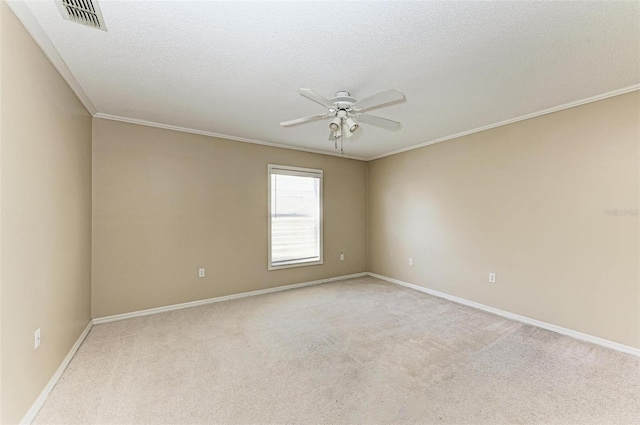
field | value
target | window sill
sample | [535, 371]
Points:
[292, 264]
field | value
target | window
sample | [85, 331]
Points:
[295, 217]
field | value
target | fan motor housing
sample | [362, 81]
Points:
[343, 100]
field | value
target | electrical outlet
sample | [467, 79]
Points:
[411, 261]
[342, 256]
[492, 278]
[37, 339]
[200, 272]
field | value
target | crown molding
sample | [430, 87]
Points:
[220, 136]
[21, 10]
[24, 15]
[410, 148]
[513, 120]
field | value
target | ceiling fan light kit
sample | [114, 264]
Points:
[351, 124]
[345, 111]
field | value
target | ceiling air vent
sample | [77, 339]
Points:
[85, 12]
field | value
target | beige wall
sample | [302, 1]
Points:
[526, 201]
[1, 13]
[167, 203]
[46, 218]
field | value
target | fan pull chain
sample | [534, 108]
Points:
[341, 136]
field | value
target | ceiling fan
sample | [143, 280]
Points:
[347, 112]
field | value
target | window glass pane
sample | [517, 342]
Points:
[295, 218]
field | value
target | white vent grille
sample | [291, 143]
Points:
[85, 12]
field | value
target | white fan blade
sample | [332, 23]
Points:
[378, 121]
[379, 100]
[310, 94]
[305, 119]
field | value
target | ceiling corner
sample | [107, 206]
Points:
[22, 12]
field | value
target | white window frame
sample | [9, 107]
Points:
[294, 171]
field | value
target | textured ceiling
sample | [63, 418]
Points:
[232, 67]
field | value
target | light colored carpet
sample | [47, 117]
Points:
[357, 351]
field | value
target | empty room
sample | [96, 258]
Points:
[292, 212]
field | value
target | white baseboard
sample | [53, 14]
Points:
[548, 326]
[116, 317]
[37, 405]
